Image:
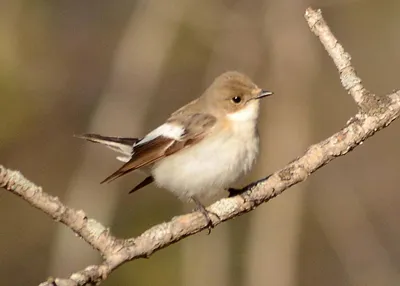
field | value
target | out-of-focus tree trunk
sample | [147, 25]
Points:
[274, 234]
[121, 111]
[10, 14]
[8, 32]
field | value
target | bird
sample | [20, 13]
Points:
[202, 148]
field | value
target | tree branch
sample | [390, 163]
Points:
[350, 81]
[375, 113]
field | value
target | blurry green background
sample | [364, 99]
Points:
[121, 67]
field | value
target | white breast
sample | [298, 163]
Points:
[212, 165]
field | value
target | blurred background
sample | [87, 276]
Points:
[121, 67]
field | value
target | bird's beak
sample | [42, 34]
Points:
[263, 93]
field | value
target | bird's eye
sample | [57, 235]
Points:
[236, 99]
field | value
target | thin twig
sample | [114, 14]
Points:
[350, 81]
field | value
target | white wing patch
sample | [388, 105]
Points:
[167, 130]
[124, 158]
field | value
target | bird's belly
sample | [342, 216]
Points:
[206, 169]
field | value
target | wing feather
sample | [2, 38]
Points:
[148, 151]
[123, 145]
[145, 154]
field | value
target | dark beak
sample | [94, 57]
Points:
[264, 93]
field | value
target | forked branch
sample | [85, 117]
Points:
[375, 113]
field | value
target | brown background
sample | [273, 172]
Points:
[121, 67]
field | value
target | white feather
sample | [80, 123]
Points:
[168, 130]
[124, 158]
[249, 112]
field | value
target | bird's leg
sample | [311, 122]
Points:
[206, 214]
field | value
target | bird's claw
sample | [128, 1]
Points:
[234, 192]
[206, 214]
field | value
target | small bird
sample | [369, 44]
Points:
[202, 148]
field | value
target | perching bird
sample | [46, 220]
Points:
[203, 148]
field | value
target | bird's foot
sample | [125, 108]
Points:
[246, 190]
[205, 213]
[234, 192]
[238, 192]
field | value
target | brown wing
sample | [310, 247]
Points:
[195, 126]
[143, 155]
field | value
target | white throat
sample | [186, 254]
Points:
[248, 113]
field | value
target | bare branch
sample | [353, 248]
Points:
[350, 81]
[363, 125]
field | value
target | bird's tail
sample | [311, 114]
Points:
[121, 145]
